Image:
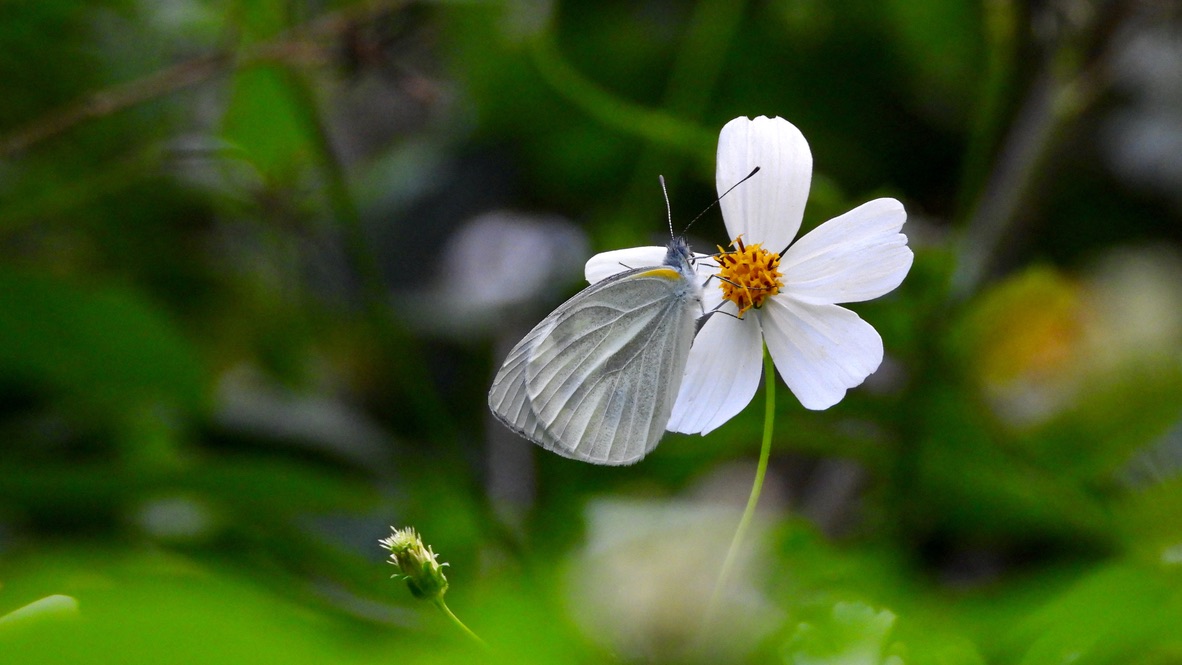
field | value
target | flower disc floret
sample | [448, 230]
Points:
[749, 275]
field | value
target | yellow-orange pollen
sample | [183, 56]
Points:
[748, 275]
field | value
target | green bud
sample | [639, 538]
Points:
[416, 562]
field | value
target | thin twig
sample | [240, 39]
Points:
[299, 46]
[1073, 75]
[1076, 72]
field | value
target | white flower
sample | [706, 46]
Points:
[639, 584]
[783, 295]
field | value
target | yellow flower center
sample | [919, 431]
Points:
[749, 275]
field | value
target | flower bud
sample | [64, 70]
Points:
[416, 562]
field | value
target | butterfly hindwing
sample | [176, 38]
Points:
[596, 380]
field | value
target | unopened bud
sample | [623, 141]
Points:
[416, 562]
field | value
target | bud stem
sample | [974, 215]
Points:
[460, 624]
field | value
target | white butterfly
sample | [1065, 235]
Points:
[596, 379]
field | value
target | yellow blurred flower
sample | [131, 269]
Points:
[1039, 338]
[1025, 338]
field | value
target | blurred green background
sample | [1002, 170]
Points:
[259, 261]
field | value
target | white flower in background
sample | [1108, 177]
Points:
[783, 295]
[491, 267]
[639, 585]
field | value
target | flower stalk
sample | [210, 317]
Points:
[769, 422]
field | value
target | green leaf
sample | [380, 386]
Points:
[55, 608]
[1114, 615]
[103, 345]
[948, 27]
[267, 120]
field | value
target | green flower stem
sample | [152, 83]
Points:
[652, 125]
[439, 602]
[1000, 32]
[769, 421]
[1076, 73]
[710, 31]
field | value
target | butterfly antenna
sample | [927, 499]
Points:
[668, 208]
[715, 202]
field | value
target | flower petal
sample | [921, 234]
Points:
[767, 208]
[819, 350]
[605, 264]
[857, 256]
[721, 376]
[707, 269]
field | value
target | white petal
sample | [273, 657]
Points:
[707, 269]
[605, 264]
[857, 256]
[819, 350]
[767, 208]
[721, 376]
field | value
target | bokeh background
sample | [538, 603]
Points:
[260, 259]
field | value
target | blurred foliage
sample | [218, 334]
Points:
[229, 356]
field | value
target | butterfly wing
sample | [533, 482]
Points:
[596, 380]
[508, 398]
